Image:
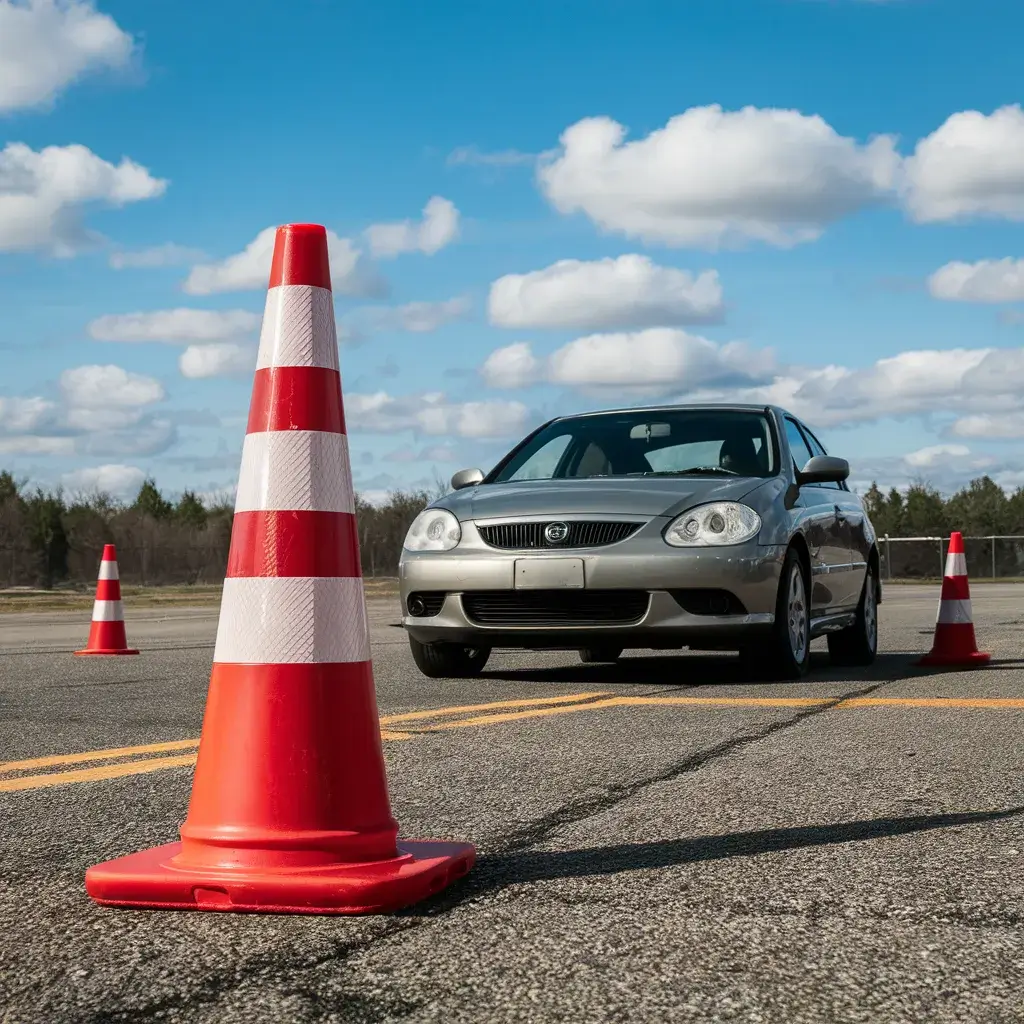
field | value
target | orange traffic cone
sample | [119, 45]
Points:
[290, 810]
[954, 643]
[107, 634]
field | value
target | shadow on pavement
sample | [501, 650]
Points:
[501, 870]
[707, 670]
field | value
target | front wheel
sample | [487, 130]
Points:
[787, 652]
[858, 644]
[448, 661]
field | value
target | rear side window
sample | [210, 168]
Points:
[797, 445]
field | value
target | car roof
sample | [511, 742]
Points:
[684, 407]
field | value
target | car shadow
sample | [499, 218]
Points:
[687, 670]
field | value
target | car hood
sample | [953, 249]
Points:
[650, 496]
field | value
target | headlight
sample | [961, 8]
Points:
[434, 529]
[718, 523]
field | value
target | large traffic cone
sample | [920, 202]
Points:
[954, 643]
[107, 634]
[290, 810]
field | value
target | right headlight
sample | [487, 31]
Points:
[434, 529]
[713, 525]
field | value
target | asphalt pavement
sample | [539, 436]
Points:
[668, 839]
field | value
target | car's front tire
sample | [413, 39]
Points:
[786, 654]
[597, 655]
[448, 661]
[858, 645]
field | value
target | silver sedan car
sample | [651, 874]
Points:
[712, 527]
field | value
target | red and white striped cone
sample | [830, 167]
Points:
[107, 633]
[954, 644]
[290, 810]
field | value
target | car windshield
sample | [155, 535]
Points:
[672, 442]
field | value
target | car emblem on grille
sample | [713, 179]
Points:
[555, 533]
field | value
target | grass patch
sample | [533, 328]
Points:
[197, 596]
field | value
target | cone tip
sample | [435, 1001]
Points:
[300, 256]
[956, 543]
[109, 553]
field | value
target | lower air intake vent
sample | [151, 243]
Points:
[554, 608]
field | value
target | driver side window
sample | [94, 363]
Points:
[818, 449]
[797, 444]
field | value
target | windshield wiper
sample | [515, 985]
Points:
[692, 471]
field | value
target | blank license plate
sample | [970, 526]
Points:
[548, 573]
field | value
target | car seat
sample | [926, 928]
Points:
[740, 455]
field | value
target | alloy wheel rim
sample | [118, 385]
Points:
[797, 614]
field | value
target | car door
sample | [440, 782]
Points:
[853, 531]
[829, 552]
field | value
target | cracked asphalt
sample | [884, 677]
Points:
[842, 857]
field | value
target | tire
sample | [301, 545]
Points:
[778, 657]
[858, 645]
[592, 655]
[448, 661]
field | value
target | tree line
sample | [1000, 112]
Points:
[48, 539]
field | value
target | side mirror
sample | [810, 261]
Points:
[824, 469]
[466, 478]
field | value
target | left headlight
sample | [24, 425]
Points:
[434, 529]
[715, 524]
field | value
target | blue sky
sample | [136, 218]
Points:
[741, 236]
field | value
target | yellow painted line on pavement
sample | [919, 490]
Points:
[986, 703]
[414, 716]
[136, 765]
[989, 703]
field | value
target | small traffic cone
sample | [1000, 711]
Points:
[954, 643]
[289, 810]
[107, 634]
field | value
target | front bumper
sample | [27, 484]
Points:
[673, 578]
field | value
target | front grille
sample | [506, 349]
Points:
[583, 533]
[555, 607]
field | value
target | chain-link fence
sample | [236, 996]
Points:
[910, 558]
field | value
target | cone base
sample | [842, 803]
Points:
[972, 658]
[147, 880]
[79, 654]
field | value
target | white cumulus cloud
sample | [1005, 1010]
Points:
[249, 270]
[420, 317]
[222, 359]
[972, 166]
[438, 228]
[936, 455]
[175, 326]
[433, 414]
[1001, 426]
[46, 45]
[655, 360]
[629, 291]
[984, 281]
[712, 177]
[115, 479]
[95, 387]
[44, 195]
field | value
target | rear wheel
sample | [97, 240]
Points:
[448, 661]
[858, 645]
[786, 653]
[592, 655]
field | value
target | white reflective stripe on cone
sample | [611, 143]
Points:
[108, 571]
[267, 620]
[298, 328]
[107, 611]
[955, 611]
[956, 564]
[295, 471]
